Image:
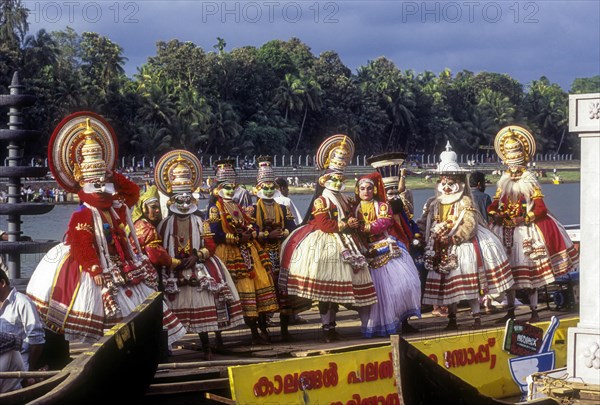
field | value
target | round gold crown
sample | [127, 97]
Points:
[178, 171]
[515, 145]
[92, 167]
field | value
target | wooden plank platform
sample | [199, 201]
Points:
[196, 377]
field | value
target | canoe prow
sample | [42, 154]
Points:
[125, 359]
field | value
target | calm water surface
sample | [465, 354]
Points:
[562, 200]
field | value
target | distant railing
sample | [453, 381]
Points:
[295, 161]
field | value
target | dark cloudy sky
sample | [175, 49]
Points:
[526, 39]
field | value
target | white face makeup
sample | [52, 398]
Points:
[99, 187]
[448, 185]
[183, 203]
[392, 194]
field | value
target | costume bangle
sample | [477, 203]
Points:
[265, 234]
[286, 232]
[530, 217]
[203, 253]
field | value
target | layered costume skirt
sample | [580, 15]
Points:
[70, 302]
[312, 267]
[254, 286]
[211, 304]
[482, 268]
[538, 252]
[398, 290]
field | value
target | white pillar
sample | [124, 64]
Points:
[584, 119]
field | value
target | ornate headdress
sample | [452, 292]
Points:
[334, 154]
[225, 171]
[178, 172]
[82, 148]
[265, 171]
[378, 185]
[514, 145]
[388, 165]
[448, 165]
[147, 197]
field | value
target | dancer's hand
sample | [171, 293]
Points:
[99, 280]
[353, 223]
[275, 234]
[190, 261]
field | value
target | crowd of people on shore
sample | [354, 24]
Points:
[250, 255]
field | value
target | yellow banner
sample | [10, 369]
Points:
[478, 358]
[344, 378]
[368, 375]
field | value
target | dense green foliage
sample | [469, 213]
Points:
[279, 98]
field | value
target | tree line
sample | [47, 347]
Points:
[278, 98]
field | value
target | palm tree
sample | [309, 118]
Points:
[399, 103]
[289, 95]
[499, 107]
[13, 23]
[151, 140]
[223, 127]
[157, 105]
[40, 50]
[311, 100]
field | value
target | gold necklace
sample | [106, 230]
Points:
[367, 208]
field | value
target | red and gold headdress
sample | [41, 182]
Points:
[265, 171]
[334, 155]
[178, 172]
[378, 186]
[82, 148]
[515, 145]
[225, 171]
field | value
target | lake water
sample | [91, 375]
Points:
[562, 200]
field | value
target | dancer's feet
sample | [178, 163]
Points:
[534, 316]
[407, 328]
[510, 314]
[452, 325]
[476, 321]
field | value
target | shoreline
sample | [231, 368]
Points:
[569, 172]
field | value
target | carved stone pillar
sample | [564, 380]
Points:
[583, 348]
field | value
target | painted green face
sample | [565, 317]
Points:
[228, 190]
[268, 189]
[335, 182]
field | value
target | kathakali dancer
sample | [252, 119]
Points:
[94, 279]
[275, 222]
[146, 216]
[389, 166]
[321, 260]
[464, 258]
[236, 238]
[537, 245]
[199, 289]
[393, 271]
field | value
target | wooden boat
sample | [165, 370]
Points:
[123, 362]
[423, 381]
